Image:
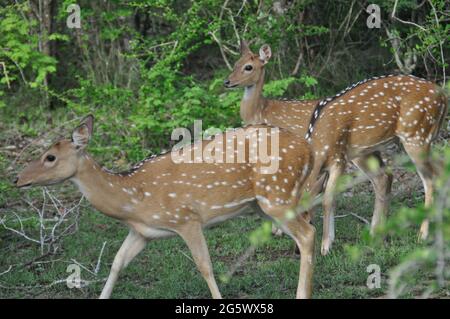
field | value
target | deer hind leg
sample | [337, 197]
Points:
[420, 155]
[381, 182]
[132, 245]
[329, 207]
[303, 233]
[193, 236]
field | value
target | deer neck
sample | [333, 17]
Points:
[253, 102]
[104, 190]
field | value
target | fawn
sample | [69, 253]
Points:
[161, 197]
[355, 125]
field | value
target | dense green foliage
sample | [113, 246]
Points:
[145, 67]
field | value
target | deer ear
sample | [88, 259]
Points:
[265, 53]
[244, 47]
[82, 134]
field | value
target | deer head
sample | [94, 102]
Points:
[249, 68]
[61, 161]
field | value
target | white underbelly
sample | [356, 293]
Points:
[152, 232]
[354, 151]
[230, 213]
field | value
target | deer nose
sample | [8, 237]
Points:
[226, 82]
[15, 180]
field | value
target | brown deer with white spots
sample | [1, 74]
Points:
[366, 117]
[160, 197]
[295, 115]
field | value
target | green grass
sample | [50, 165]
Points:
[164, 269]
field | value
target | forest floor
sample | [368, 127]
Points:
[165, 268]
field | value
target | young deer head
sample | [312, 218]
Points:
[248, 73]
[249, 69]
[60, 161]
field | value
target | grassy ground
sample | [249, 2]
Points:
[165, 270]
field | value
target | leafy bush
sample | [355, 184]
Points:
[19, 57]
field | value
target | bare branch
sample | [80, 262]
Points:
[5, 72]
[97, 268]
[84, 267]
[224, 57]
[6, 271]
[408, 65]
[241, 8]
[360, 218]
[440, 43]
[403, 21]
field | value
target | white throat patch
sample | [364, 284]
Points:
[248, 92]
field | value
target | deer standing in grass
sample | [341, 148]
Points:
[160, 198]
[353, 126]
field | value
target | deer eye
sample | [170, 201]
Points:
[50, 158]
[248, 67]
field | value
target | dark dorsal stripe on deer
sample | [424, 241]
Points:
[135, 167]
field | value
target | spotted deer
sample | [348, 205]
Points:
[161, 197]
[366, 117]
[295, 115]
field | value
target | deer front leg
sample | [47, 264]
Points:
[132, 245]
[329, 206]
[193, 236]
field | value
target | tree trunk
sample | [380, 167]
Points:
[43, 11]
